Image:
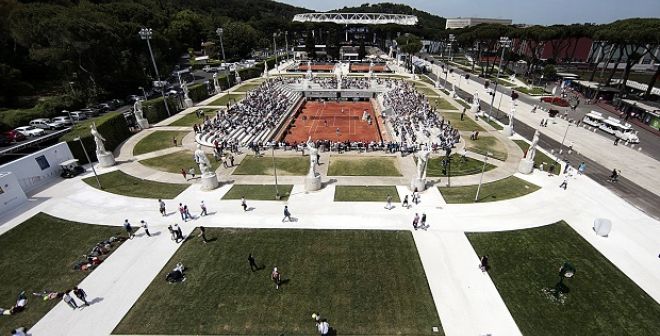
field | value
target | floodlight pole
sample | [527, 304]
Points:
[481, 178]
[220, 33]
[504, 43]
[277, 190]
[90, 162]
[145, 34]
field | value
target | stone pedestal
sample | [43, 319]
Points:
[418, 183]
[106, 160]
[526, 166]
[209, 182]
[313, 183]
[188, 102]
[143, 123]
[507, 130]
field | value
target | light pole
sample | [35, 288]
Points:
[146, 34]
[90, 161]
[286, 44]
[275, 52]
[277, 190]
[504, 43]
[220, 32]
[144, 93]
[73, 122]
[561, 147]
[481, 178]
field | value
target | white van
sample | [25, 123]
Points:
[593, 118]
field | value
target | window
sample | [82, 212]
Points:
[42, 162]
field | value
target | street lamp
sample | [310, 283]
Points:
[286, 44]
[277, 190]
[561, 146]
[220, 33]
[505, 42]
[73, 122]
[90, 161]
[146, 34]
[275, 52]
[483, 168]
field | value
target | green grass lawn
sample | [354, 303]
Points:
[466, 105]
[157, 140]
[263, 165]
[247, 87]
[425, 79]
[441, 104]
[173, 162]
[601, 299]
[365, 282]
[39, 254]
[191, 118]
[364, 166]
[487, 144]
[458, 167]
[467, 124]
[258, 192]
[510, 187]
[427, 91]
[118, 182]
[494, 124]
[228, 98]
[366, 194]
[533, 91]
[539, 158]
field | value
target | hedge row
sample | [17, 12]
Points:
[46, 108]
[111, 126]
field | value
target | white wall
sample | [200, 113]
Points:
[30, 174]
[11, 193]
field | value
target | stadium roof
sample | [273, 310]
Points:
[358, 18]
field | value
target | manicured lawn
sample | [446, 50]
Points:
[191, 118]
[510, 187]
[364, 166]
[366, 194]
[118, 182]
[458, 166]
[427, 91]
[533, 91]
[173, 162]
[40, 254]
[427, 80]
[601, 300]
[467, 124]
[441, 104]
[466, 105]
[539, 158]
[494, 124]
[263, 165]
[247, 87]
[158, 140]
[487, 144]
[258, 192]
[228, 98]
[365, 282]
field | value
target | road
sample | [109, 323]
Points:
[634, 194]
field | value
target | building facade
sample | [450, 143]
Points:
[459, 22]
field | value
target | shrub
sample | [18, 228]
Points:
[111, 126]
[198, 92]
[154, 109]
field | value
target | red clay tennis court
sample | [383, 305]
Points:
[317, 67]
[364, 67]
[321, 121]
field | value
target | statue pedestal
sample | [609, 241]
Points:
[313, 183]
[452, 93]
[209, 182]
[526, 166]
[238, 79]
[188, 102]
[507, 130]
[143, 123]
[106, 160]
[418, 183]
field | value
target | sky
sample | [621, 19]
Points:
[544, 12]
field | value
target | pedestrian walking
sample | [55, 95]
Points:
[423, 222]
[145, 227]
[81, 294]
[185, 175]
[203, 206]
[178, 233]
[405, 204]
[463, 113]
[186, 211]
[565, 183]
[582, 167]
[277, 277]
[172, 233]
[182, 212]
[191, 172]
[616, 141]
[243, 203]
[69, 300]
[253, 263]
[287, 214]
[202, 234]
[129, 229]
[415, 222]
[174, 141]
[388, 204]
[161, 207]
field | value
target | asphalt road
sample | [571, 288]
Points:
[634, 194]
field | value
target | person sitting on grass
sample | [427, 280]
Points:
[177, 274]
[21, 302]
[483, 263]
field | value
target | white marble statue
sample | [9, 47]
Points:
[422, 162]
[313, 152]
[202, 161]
[265, 70]
[216, 83]
[98, 139]
[237, 76]
[185, 89]
[309, 69]
[338, 73]
[511, 114]
[137, 110]
[531, 152]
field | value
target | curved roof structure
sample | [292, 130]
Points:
[357, 18]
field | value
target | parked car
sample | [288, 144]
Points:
[78, 115]
[45, 123]
[64, 120]
[90, 112]
[30, 131]
[13, 136]
[104, 107]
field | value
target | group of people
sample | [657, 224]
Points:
[95, 256]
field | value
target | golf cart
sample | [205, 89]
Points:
[71, 168]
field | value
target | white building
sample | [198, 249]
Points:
[460, 22]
